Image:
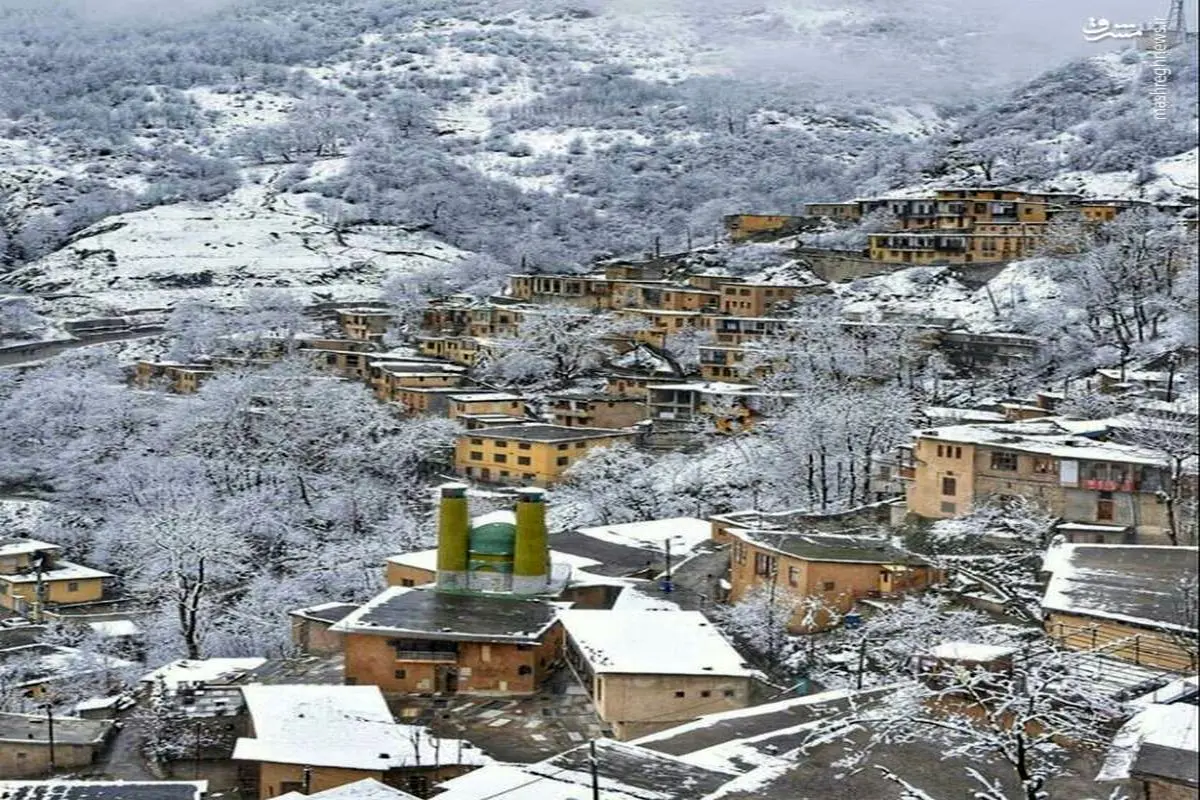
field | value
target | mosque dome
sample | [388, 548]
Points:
[494, 534]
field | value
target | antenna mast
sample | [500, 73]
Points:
[1175, 20]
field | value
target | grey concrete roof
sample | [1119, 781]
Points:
[832, 547]
[1139, 584]
[614, 558]
[325, 612]
[1168, 763]
[425, 613]
[67, 730]
[628, 767]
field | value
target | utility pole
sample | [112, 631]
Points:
[50, 733]
[666, 584]
[196, 755]
[308, 780]
[39, 586]
[595, 769]
[862, 662]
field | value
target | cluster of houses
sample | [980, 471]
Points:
[948, 226]
[503, 608]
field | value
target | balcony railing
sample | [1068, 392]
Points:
[425, 655]
[1109, 486]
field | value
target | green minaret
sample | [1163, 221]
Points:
[531, 557]
[453, 536]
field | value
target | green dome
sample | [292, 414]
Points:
[494, 534]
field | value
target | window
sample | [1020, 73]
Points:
[958, 452]
[949, 486]
[705, 693]
[1105, 510]
[949, 508]
[477, 441]
[73, 586]
[524, 647]
[580, 445]
[828, 586]
[562, 461]
[793, 576]
[500, 458]
[940, 450]
[728, 692]
[680, 694]
[764, 564]
[523, 460]
[1004, 461]
[407, 582]
[400, 674]
[503, 473]
[476, 455]
[522, 445]
[501, 443]
[528, 476]
[562, 447]
[524, 669]
[1043, 466]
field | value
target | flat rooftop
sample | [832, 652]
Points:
[20, 546]
[1138, 584]
[639, 642]
[67, 730]
[832, 547]
[537, 432]
[429, 614]
[326, 612]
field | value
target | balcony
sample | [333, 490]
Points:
[1108, 486]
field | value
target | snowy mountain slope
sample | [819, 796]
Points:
[251, 238]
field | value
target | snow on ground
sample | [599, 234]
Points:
[934, 292]
[218, 250]
[19, 515]
[232, 112]
[1175, 178]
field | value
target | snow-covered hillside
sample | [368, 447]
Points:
[253, 237]
[543, 133]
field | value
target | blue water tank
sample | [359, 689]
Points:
[853, 620]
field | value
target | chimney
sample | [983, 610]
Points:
[531, 558]
[453, 537]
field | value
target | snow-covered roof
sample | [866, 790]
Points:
[641, 642]
[16, 547]
[427, 560]
[207, 670]
[476, 397]
[970, 651]
[1159, 741]
[369, 789]
[1136, 584]
[61, 571]
[684, 533]
[962, 414]
[339, 726]
[1043, 437]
